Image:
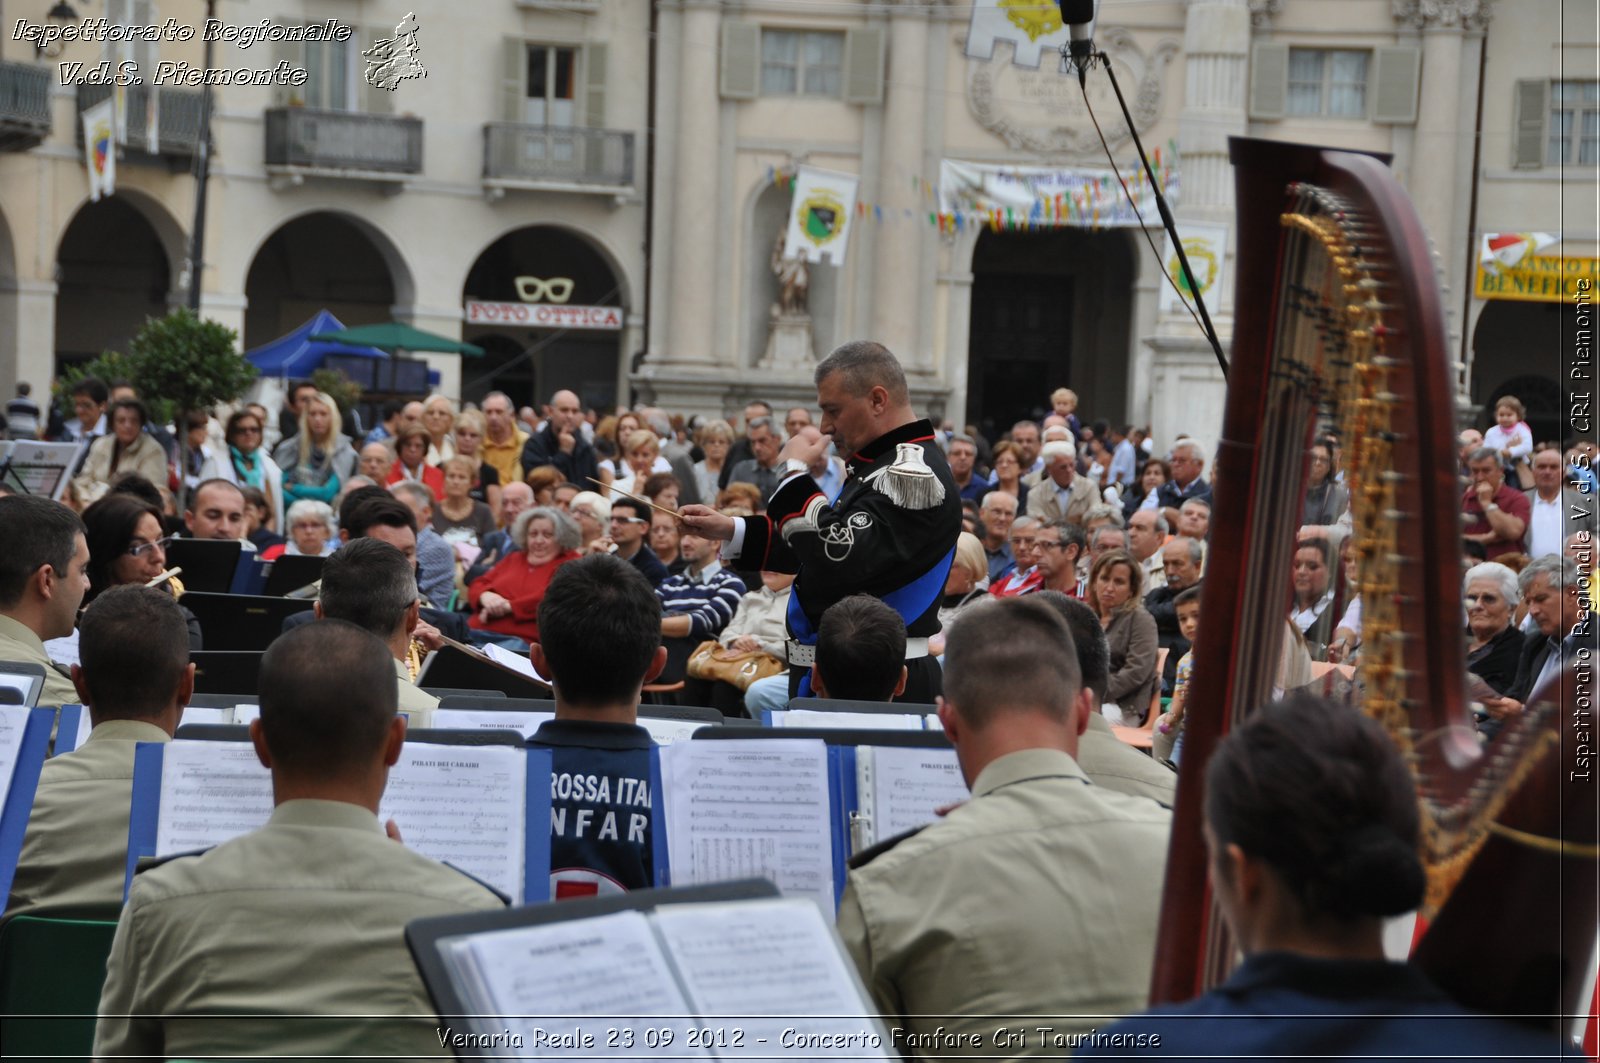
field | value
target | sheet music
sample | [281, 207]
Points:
[666, 732]
[241, 715]
[202, 714]
[556, 976]
[464, 805]
[211, 792]
[13, 723]
[517, 662]
[64, 650]
[907, 785]
[41, 468]
[524, 723]
[85, 725]
[773, 963]
[750, 809]
[855, 721]
[931, 722]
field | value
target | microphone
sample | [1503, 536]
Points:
[1080, 17]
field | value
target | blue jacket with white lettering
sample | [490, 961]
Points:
[599, 807]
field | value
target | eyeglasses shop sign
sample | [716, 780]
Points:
[545, 315]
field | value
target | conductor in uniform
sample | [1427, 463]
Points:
[293, 933]
[892, 531]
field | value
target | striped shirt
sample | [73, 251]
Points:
[709, 598]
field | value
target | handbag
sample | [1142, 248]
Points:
[713, 661]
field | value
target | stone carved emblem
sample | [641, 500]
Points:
[1042, 111]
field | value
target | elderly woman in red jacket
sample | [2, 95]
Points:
[506, 599]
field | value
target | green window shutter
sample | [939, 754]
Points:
[1532, 110]
[741, 60]
[1269, 79]
[513, 78]
[1396, 78]
[864, 57]
[594, 89]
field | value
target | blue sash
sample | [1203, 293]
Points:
[910, 601]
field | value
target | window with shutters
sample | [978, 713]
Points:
[1573, 133]
[801, 63]
[551, 86]
[332, 75]
[1327, 83]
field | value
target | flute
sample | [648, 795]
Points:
[168, 574]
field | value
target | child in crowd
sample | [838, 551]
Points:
[1187, 605]
[1510, 436]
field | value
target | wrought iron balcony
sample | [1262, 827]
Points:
[177, 119]
[301, 140]
[24, 106]
[557, 158]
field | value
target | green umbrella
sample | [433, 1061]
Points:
[393, 336]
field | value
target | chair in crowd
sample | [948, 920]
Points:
[52, 968]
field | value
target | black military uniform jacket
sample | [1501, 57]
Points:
[885, 530]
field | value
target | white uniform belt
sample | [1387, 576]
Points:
[806, 656]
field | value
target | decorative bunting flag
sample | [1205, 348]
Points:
[1038, 197]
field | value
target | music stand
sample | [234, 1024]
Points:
[208, 564]
[241, 621]
[291, 572]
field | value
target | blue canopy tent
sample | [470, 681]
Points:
[298, 355]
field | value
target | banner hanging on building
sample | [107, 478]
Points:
[819, 215]
[1207, 249]
[1033, 27]
[1023, 197]
[1539, 279]
[100, 148]
[1508, 250]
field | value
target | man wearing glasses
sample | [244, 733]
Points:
[1025, 578]
[630, 523]
[1057, 547]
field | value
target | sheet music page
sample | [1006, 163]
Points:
[524, 723]
[931, 722]
[908, 785]
[855, 721]
[211, 792]
[594, 975]
[13, 722]
[201, 714]
[85, 725]
[22, 684]
[464, 805]
[64, 650]
[666, 732]
[750, 809]
[517, 662]
[241, 715]
[775, 965]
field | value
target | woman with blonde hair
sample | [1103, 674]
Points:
[715, 439]
[317, 460]
[471, 427]
[439, 418]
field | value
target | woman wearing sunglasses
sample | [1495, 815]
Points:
[127, 545]
[245, 463]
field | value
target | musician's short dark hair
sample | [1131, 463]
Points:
[93, 387]
[861, 649]
[133, 645]
[1187, 595]
[1088, 637]
[599, 626]
[36, 532]
[354, 498]
[205, 485]
[1010, 655]
[328, 691]
[379, 507]
[864, 365]
[1318, 792]
[369, 583]
[639, 509]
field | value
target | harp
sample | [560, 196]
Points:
[1338, 320]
